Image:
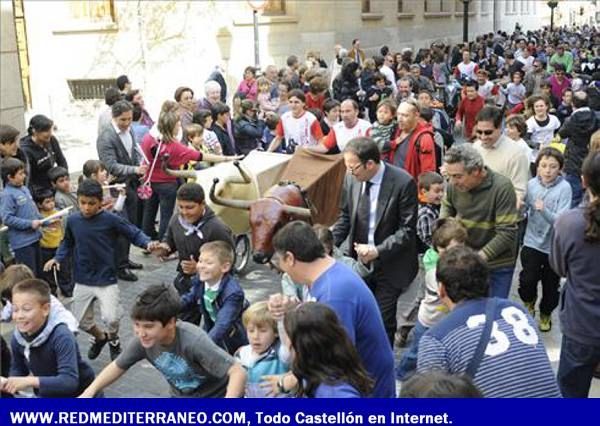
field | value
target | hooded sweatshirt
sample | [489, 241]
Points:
[579, 129]
[53, 356]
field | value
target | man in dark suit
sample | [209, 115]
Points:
[378, 217]
[118, 152]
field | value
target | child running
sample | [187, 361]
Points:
[192, 364]
[217, 294]
[548, 195]
[45, 352]
[90, 237]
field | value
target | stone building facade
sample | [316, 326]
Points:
[161, 45]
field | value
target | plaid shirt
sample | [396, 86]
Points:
[428, 214]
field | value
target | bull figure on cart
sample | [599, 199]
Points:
[281, 204]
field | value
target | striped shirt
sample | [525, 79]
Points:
[515, 363]
[489, 212]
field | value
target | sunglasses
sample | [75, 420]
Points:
[484, 132]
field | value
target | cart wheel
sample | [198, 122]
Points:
[243, 251]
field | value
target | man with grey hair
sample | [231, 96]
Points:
[486, 204]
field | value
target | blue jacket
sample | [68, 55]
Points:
[18, 211]
[557, 199]
[92, 242]
[227, 331]
[53, 355]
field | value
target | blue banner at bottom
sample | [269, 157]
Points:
[258, 412]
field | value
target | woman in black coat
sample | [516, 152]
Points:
[43, 152]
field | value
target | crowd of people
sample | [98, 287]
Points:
[461, 159]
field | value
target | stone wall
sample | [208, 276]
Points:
[11, 91]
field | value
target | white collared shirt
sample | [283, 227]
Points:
[213, 287]
[125, 137]
[374, 196]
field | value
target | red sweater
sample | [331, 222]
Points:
[467, 110]
[178, 156]
[315, 102]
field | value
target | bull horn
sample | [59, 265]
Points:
[297, 211]
[234, 204]
[184, 174]
[243, 173]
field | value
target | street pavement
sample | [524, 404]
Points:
[259, 282]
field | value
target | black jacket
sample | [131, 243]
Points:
[41, 160]
[345, 85]
[578, 128]
[224, 139]
[395, 225]
[248, 134]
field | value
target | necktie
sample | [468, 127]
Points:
[363, 213]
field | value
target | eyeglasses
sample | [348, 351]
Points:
[353, 170]
[484, 132]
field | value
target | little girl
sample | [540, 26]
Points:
[515, 92]
[203, 117]
[195, 138]
[265, 355]
[324, 360]
[385, 126]
[95, 169]
[265, 103]
[541, 127]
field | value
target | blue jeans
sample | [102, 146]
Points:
[163, 195]
[576, 367]
[408, 362]
[576, 189]
[501, 281]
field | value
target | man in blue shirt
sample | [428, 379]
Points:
[300, 254]
[511, 362]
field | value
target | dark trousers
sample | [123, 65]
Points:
[163, 196]
[387, 292]
[63, 275]
[183, 284]
[576, 367]
[30, 256]
[132, 212]
[535, 269]
[576, 189]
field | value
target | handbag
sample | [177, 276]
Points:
[144, 191]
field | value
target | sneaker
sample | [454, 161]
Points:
[96, 347]
[530, 308]
[115, 348]
[545, 323]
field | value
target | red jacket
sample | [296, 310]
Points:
[420, 156]
[467, 110]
